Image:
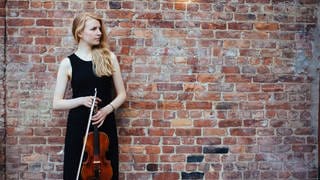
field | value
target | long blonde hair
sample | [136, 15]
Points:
[101, 54]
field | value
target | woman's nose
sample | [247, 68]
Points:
[99, 32]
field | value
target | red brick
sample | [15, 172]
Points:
[208, 141]
[214, 132]
[165, 175]
[180, 6]
[240, 26]
[291, 27]
[56, 140]
[167, 149]
[169, 87]
[237, 78]
[32, 140]
[186, 140]
[33, 175]
[229, 70]
[209, 78]
[255, 123]
[236, 44]
[234, 96]
[303, 148]
[243, 131]
[278, 106]
[18, 4]
[131, 131]
[47, 41]
[113, 14]
[173, 158]
[267, 26]
[49, 22]
[303, 131]
[203, 123]
[174, 33]
[188, 132]
[229, 140]
[269, 140]
[231, 175]
[247, 87]
[48, 149]
[198, 105]
[183, 78]
[213, 26]
[47, 131]
[143, 105]
[152, 150]
[227, 35]
[161, 132]
[171, 141]
[20, 22]
[192, 7]
[11, 131]
[255, 35]
[188, 149]
[33, 31]
[272, 88]
[60, 14]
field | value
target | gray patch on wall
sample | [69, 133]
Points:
[314, 72]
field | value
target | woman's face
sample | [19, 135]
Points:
[92, 32]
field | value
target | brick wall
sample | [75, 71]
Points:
[216, 89]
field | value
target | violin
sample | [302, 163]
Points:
[95, 166]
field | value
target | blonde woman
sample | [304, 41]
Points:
[91, 66]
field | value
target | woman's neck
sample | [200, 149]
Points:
[84, 51]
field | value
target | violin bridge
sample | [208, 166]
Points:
[96, 162]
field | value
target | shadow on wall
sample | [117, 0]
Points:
[2, 88]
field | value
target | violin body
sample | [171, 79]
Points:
[96, 166]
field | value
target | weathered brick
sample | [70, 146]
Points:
[161, 132]
[214, 132]
[243, 131]
[209, 141]
[213, 26]
[166, 175]
[188, 132]
[230, 123]
[303, 148]
[173, 158]
[215, 150]
[192, 175]
[198, 105]
[240, 26]
[266, 26]
[115, 5]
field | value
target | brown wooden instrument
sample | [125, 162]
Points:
[95, 166]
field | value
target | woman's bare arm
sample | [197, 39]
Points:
[64, 74]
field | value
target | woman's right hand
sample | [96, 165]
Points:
[87, 101]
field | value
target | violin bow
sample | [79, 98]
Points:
[87, 131]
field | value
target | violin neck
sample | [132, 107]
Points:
[96, 140]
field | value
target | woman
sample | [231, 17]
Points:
[91, 66]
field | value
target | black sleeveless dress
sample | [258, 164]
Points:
[83, 83]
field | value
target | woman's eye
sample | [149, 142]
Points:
[95, 28]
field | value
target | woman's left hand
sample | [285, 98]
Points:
[101, 115]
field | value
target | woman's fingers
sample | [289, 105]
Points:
[89, 99]
[98, 122]
[97, 117]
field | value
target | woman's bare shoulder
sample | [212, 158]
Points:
[65, 62]
[65, 67]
